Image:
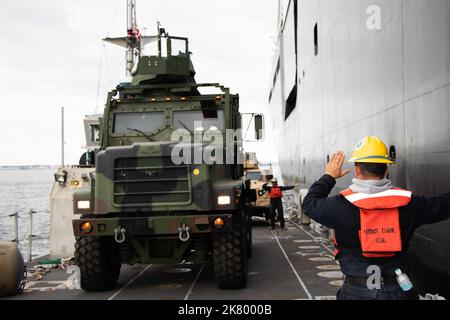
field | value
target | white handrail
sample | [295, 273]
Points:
[29, 238]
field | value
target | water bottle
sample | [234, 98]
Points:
[403, 280]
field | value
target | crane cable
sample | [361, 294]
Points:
[102, 52]
[114, 19]
[103, 56]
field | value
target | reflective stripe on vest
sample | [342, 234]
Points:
[393, 198]
[275, 193]
[379, 232]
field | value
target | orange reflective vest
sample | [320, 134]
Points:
[275, 193]
[379, 232]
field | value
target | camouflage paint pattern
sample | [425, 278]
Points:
[136, 185]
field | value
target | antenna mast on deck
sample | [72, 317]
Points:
[133, 35]
[132, 41]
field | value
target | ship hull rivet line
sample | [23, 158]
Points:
[310, 297]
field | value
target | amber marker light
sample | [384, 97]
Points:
[196, 172]
[86, 227]
[219, 223]
[75, 183]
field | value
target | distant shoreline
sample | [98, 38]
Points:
[28, 167]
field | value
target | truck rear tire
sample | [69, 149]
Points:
[230, 256]
[98, 262]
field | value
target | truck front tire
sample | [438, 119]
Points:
[98, 262]
[230, 256]
[249, 235]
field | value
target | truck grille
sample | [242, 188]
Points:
[150, 181]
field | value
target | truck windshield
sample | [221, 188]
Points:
[177, 46]
[147, 122]
[196, 121]
[253, 176]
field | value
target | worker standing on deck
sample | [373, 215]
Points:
[276, 203]
[373, 221]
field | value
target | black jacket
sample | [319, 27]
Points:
[338, 213]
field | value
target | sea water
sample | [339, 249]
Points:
[21, 190]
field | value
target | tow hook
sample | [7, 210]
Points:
[119, 234]
[183, 233]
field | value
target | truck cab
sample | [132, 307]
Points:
[168, 184]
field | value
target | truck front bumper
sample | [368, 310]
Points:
[151, 226]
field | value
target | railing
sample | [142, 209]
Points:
[290, 205]
[30, 236]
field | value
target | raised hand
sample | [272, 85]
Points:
[334, 167]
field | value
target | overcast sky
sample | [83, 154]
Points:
[51, 53]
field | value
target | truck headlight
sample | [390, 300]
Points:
[61, 177]
[83, 204]
[223, 200]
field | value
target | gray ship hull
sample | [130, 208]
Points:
[348, 69]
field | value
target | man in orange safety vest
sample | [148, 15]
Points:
[276, 203]
[373, 221]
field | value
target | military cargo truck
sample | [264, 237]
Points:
[162, 191]
[256, 178]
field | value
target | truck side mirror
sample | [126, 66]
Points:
[255, 120]
[259, 121]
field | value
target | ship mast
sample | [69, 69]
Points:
[132, 42]
[280, 16]
[132, 35]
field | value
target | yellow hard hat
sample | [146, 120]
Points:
[371, 150]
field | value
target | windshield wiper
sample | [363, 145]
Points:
[141, 132]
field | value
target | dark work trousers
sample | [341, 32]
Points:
[352, 291]
[276, 204]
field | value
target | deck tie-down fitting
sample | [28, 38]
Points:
[183, 233]
[119, 234]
